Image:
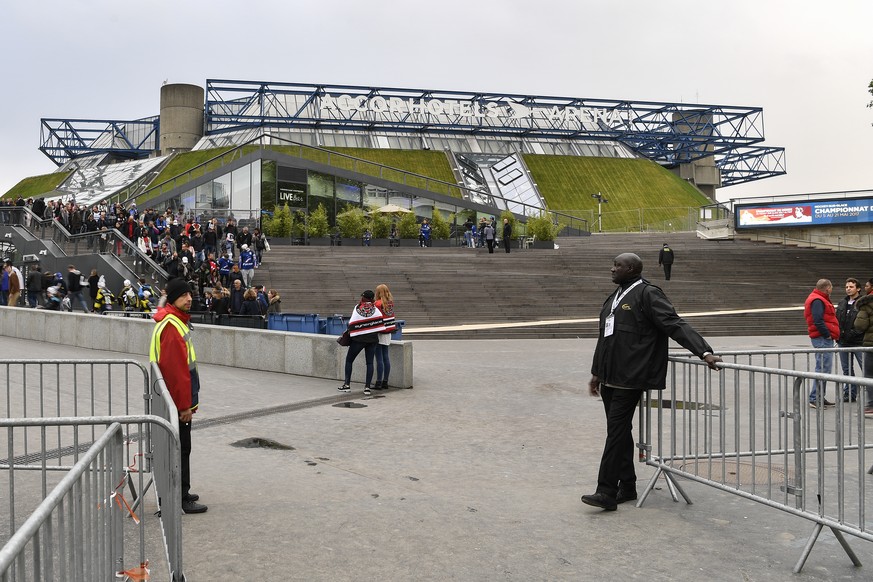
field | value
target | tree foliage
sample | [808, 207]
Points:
[380, 224]
[440, 229]
[280, 224]
[317, 225]
[407, 226]
[352, 222]
[542, 227]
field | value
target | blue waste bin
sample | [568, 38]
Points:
[301, 322]
[276, 322]
[336, 325]
[397, 335]
[322, 325]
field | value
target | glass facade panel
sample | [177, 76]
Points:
[268, 185]
[241, 182]
[204, 195]
[348, 192]
[321, 191]
[221, 192]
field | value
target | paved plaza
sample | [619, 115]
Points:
[475, 474]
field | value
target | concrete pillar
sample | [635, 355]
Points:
[181, 117]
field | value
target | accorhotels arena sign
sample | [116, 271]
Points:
[418, 108]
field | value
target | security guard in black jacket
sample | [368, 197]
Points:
[631, 356]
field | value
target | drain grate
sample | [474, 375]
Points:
[349, 405]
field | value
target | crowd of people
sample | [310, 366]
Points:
[848, 325]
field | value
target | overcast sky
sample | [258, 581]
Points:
[806, 63]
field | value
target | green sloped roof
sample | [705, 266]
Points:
[567, 183]
[36, 185]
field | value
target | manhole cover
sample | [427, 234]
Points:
[741, 473]
[260, 443]
[349, 405]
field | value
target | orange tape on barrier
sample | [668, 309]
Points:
[137, 574]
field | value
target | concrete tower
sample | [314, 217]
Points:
[181, 117]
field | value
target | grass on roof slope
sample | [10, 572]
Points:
[567, 183]
[427, 163]
[36, 185]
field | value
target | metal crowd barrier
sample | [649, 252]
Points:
[78, 531]
[54, 410]
[750, 430]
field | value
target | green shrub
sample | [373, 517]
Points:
[352, 222]
[407, 226]
[380, 224]
[281, 224]
[317, 225]
[542, 227]
[439, 227]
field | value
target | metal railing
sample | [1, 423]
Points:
[57, 408]
[751, 431]
[78, 530]
[109, 242]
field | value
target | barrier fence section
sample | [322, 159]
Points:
[750, 430]
[55, 411]
[79, 529]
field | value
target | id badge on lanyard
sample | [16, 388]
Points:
[608, 325]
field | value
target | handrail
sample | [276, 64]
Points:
[62, 235]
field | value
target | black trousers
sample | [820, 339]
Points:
[185, 442]
[667, 268]
[490, 243]
[506, 243]
[617, 462]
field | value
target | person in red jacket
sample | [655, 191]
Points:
[172, 350]
[824, 329]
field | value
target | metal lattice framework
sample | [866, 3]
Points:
[64, 139]
[668, 133]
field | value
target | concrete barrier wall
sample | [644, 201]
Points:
[302, 354]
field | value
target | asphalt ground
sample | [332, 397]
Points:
[475, 474]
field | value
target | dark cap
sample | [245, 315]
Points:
[368, 294]
[176, 288]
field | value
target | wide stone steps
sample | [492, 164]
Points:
[453, 286]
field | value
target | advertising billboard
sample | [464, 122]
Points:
[805, 213]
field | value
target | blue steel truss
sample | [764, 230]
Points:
[668, 133]
[64, 139]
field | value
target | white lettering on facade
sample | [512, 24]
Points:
[567, 116]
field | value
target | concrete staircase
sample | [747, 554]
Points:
[455, 286]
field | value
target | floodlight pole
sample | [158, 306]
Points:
[600, 200]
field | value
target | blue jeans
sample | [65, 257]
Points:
[847, 362]
[356, 348]
[383, 363]
[824, 364]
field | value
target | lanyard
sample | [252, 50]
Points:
[618, 298]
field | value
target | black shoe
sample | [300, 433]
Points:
[190, 497]
[601, 500]
[828, 403]
[384, 384]
[625, 496]
[367, 391]
[378, 385]
[193, 507]
[345, 388]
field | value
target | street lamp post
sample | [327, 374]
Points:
[600, 201]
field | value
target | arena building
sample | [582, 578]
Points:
[243, 147]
